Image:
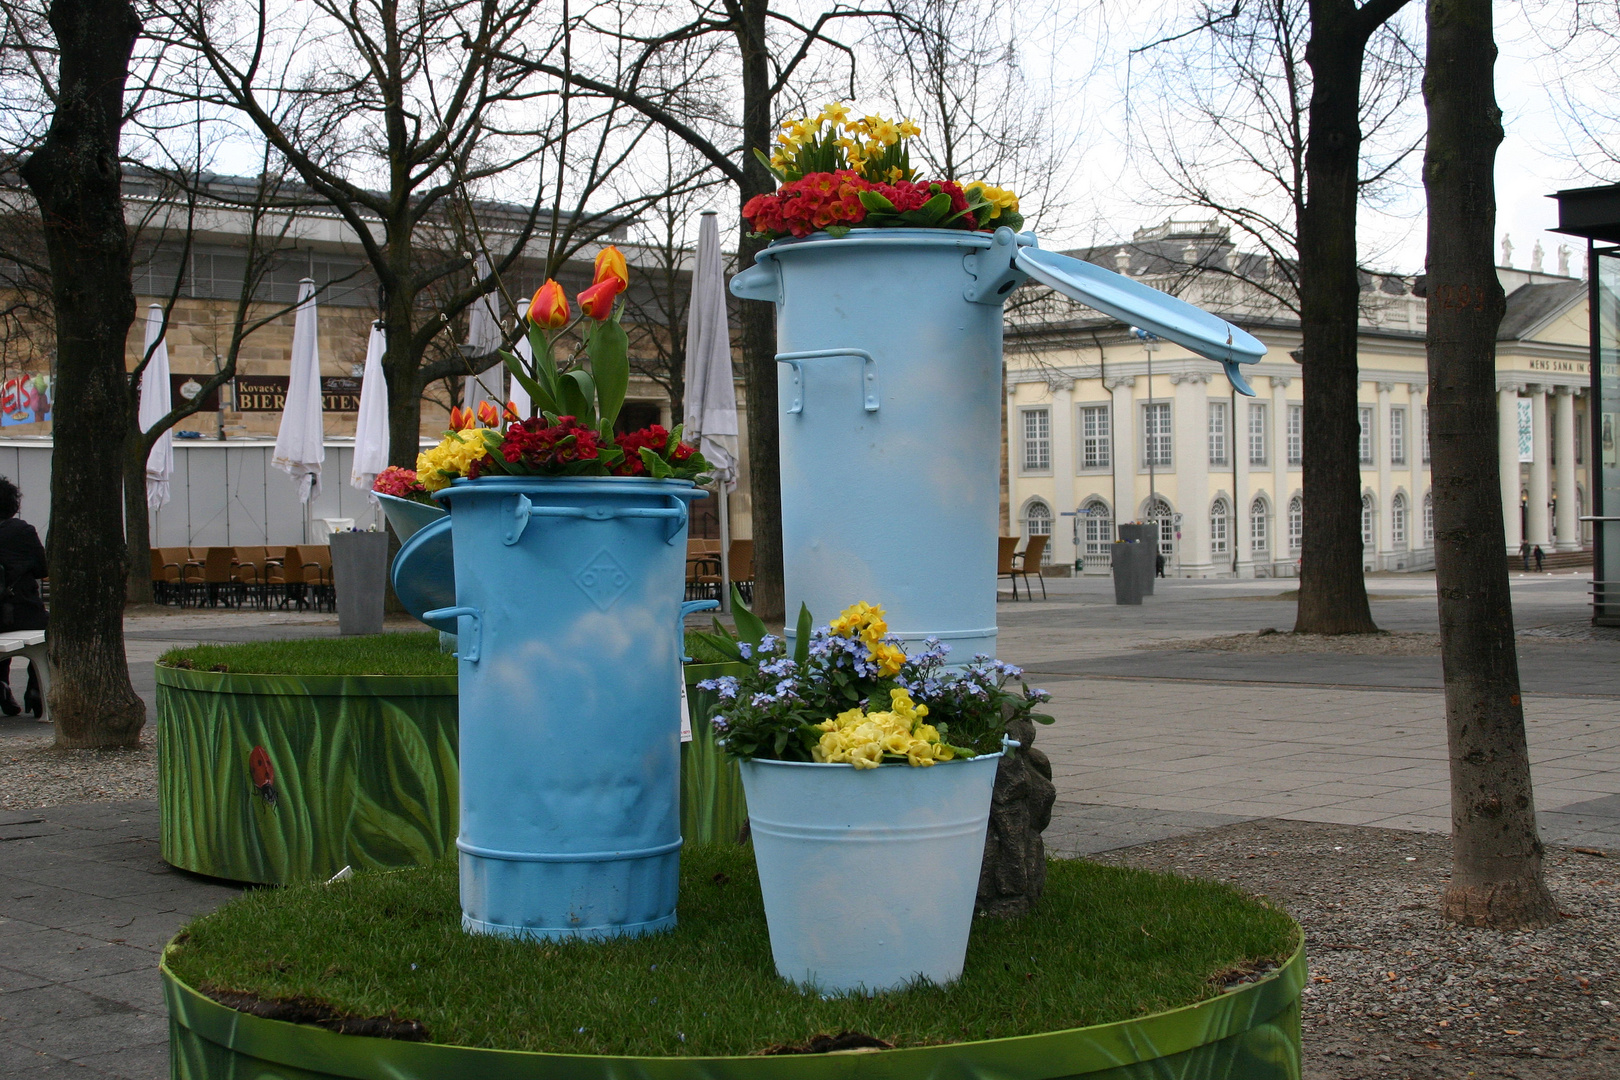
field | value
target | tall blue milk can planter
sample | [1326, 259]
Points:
[568, 616]
[890, 390]
[869, 876]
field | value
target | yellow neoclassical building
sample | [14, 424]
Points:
[1104, 427]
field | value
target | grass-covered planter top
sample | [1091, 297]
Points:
[1166, 965]
[284, 761]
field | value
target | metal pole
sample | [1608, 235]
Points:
[725, 547]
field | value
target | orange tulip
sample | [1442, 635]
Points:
[610, 264]
[460, 419]
[488, 414]
[597, 301]
[550, 306]
[512, 413]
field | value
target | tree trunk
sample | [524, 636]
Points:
[402, 369]
[75, 178]
[759, 329]
[1332, 592]
[1496, 877]
[137, 528]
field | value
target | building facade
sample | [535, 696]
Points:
[1104, 427]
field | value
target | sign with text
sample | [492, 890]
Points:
[187, 387]
[268, 393]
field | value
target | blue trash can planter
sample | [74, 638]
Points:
[568, 613]
[889, 390]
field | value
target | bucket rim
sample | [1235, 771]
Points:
[889, 238]
[883, 765]
[590, 485]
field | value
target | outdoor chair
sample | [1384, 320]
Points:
[219, 578]
[165, 576]
[317, 560]
[1006, 562]
[1030, 558]
[740, 564]
[286, 579]
[702, 569]
[249, 573]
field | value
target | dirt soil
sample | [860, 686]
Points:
[1396, 993]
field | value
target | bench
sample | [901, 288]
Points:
[30, 644]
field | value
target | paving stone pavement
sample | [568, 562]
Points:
[1147, 745]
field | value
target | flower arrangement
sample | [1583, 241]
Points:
[849, 694]
[570, 432]
[839, 173]
[401, 484]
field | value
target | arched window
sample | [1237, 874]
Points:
[1428, 520]
[1099, 528]
[1368, 541]
[1219, 512]
[1259, 527]
[1296, 523]
[1038, 522]
[1397, 520]
[1159, 510]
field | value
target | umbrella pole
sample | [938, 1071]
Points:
[725, 547]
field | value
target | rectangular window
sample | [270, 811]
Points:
[1217, 433]
[1366, 435]
[1095, 436]
[1425, 436]
[1217, 528]
[1296, 434]
[1397, 436]
[1257, 433]
[1156, 435]
[1037, 440]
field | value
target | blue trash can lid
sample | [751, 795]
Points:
[424, 573]
[1156, 312]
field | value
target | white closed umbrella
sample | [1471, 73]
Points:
[483, 338]
[155, 405]
[371, 426]
[520, 397]
[711, 392]
[301, 442]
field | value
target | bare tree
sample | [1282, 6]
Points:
[1496, 875]
[75, 177]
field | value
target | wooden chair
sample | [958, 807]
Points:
[740, 563]
[702, 569]
[1028, 558]
[165, 576]
[249, 573]
[287, 578]
[317, 560]
[1006, 562]
[219, 577]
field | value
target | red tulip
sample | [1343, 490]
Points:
[461, 419]
[610, 264]
[550, 306]
[488, 414]
[597, 301]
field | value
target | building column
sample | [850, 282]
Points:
[1279, 468]
[1540, 474]
[1237, 530]
[1384, 519]
[1507, 458]
[1190, 461]
[1064, 459]
[1569, 536]
[1122, 388]
[1416, 487]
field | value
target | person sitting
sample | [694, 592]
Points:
[22, 561]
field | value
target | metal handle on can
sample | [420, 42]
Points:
[869, 379]
[520, 508]
[468, 646]
[687, 608]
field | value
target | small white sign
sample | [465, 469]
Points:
[686, 712]
[1527, 435]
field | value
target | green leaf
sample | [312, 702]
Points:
[801, 642]
[766, 161]
[1012, 219]
[538, 398]
[656, 465]
[836, 231]
[720, 643]
[609, 349]
[929, 213]
[545, 363]
[750, 627]
[575, 401]
[877, 203]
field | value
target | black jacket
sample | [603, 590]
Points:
[22, 557]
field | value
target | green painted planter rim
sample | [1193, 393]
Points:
[235, 682]
[1022, 1057]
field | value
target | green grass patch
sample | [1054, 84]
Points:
[373, 654]
[1105, 944]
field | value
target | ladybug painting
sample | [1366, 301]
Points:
[263, 774]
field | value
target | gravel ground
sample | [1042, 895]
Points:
[1279, 642]
[34, 775]
[1396, 993]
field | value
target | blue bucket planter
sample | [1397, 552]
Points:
[407, 516]
[567, 603]
[869, 875]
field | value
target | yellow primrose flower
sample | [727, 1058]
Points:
[1000, 199]
[454, 455]
[919, 755]
[903, 706]
[888, 658]
[868, 756]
